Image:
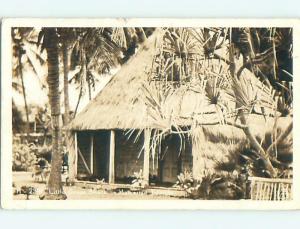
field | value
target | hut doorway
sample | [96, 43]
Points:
[170, 159]
[84, 159]
[101, 154]
[129, 155]
[176, 157]
[93, 155]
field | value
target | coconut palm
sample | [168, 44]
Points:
[67, 37]
[128, 39]
[97, 50]
[24, 54]
[94, 53]
[17, 121]
[50, 43]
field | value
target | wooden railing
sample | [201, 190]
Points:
[270, 189]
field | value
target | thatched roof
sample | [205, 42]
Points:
[116, 106]
[120, 104]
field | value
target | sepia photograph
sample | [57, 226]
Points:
[141, 112]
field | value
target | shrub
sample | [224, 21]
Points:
[139, 182]
[184, 180]
[24, 157]
[213, 186]
[222, 186]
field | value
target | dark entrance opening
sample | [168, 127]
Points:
[83, 138]
[101, 154]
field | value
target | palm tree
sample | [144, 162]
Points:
[98, 50]
[20, 73]
[50, 43]
[22, 39]
[95, 51]
[66, 39]
[17, 121]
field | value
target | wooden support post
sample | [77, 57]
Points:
[147, 137]
[198, 142]
[111, 175]
[92, 154]
[71, 142]
[75, 154]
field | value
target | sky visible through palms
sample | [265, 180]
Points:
[38, 96]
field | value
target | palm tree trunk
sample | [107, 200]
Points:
[83, 74]
[24, 93]
[78, 100]
[66, 82]
[69, 137]
[87, 75]
[89, 86]
[55, 189]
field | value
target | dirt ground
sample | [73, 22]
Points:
[79, 193]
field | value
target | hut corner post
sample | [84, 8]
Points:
[198, 141]
[72, 140]
[111, 174]
[147, 136]
[92, 153]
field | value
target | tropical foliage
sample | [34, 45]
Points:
[24, 157]
[235, 73]
[139, 181]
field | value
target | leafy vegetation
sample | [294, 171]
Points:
[24, 157]
[235, 73]
[139, 181]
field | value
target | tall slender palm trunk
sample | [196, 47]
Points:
[23, 92]
[89, 87]
[78, 100]
[54, 189]
[84, 74]
[68, 134]
[66, 82]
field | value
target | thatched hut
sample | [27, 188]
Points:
[114, 133]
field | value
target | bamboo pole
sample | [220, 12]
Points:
[75, 155]
[92, 154]
[111, 176]
[198, 139]
[146, 166]
[72, 149]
